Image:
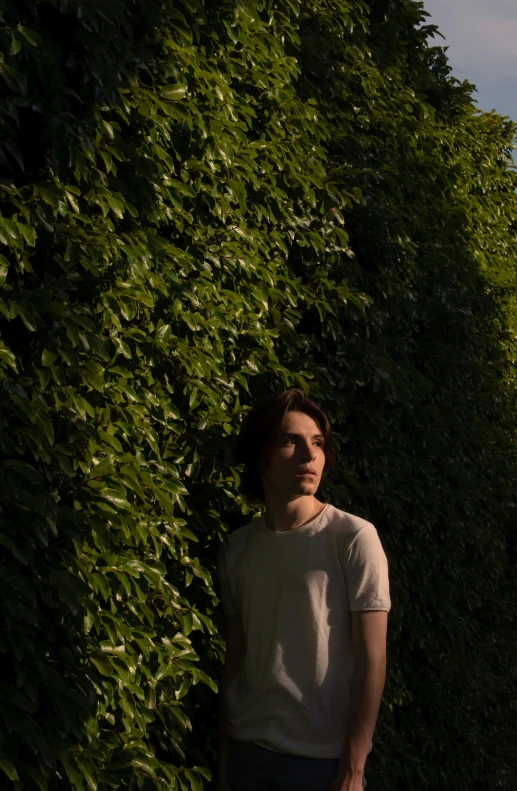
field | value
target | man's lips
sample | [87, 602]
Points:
[310, 473]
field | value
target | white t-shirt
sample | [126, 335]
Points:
[294, 591]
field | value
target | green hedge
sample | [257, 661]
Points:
[202, 202]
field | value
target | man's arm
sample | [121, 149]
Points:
[369, 633]
[235, 649]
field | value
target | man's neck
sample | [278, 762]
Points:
[283, 515]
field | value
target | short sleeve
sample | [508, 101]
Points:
[228, 602]
[366, 573]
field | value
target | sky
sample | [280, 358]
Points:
[482, 40]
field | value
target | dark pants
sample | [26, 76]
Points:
[253, 768]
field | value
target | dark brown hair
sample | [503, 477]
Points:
[259, 430]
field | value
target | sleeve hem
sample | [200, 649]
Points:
[383, 608]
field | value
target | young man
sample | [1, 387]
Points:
[306, 593]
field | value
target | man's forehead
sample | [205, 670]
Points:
[299, 422]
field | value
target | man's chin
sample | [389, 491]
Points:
[307, 487]
[298, 488]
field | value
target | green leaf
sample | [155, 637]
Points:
[72, 770]
[116, 499]
[25, 470]
[104, 467]
[89, 773]
[195, 398]
[45, 426]
[14, 78]
[8, 768]
[66, 581]
[102, 664]
[31, 36]
[27, 318]
[174, 92]
[29, 234]
[16, 46]
[48, 357]
[195, 782]
[145, 765]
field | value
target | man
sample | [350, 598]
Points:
[306, 593]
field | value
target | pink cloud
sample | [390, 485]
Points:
[480, 34]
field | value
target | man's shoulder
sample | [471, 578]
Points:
[345, 522]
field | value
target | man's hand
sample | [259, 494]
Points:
[350, 782]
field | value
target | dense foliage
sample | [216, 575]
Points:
[202, 202]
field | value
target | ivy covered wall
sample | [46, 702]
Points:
[202, 202]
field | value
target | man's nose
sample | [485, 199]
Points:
[307, 451]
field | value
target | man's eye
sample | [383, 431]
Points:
[318, 442]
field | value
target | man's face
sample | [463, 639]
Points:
[297, 451]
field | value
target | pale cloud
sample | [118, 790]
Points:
[480, 33]
[481, 37]
[494, 39]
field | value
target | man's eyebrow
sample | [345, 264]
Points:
[292, 434]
